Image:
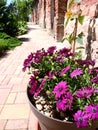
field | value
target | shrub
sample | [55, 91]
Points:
[10, 42]
[3, 45]
[22, 27]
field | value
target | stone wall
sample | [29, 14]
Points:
[89, 28]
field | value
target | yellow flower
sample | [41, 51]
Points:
[68, 13]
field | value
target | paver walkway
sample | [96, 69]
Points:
[15, 112]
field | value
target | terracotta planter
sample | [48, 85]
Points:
[47, 123]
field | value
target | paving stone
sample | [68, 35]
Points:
[17, 111]
[21, 98]
[17, 124]
[15, 80]
[19, 88]
[2, 124]
[11, 98]
[6, 86]
[33, 122]
[3, 95]
[25, 80]
[1, 106]
[6, 80]
[1, 77]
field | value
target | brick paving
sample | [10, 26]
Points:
[15, 113]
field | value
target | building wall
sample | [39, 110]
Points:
[50, 15]
[89, 28]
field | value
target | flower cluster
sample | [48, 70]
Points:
[66, 82]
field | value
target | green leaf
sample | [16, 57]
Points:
[71, 4]
[81, 19]
[64, 39]
[79, 40]
[67, 20]
[80, 35]
[70, 38]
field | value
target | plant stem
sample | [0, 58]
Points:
[74, 35]
[75, 30]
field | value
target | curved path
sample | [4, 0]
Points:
[15, 113]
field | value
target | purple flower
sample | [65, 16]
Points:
[86, 62]
[93, 111]
[81, 119]
[60, 89]
[85, 92]
[51, 74]
[96, 90]
[68, 96]
[93, 70]
[64, 50]
[38, 56]
[61, 104]
[65, 53]
[27, 62]
[34, 84]
[75, 73]
[40, 88]
[95, 80]
[64, 70]
[51, 50]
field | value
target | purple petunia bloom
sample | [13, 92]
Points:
[96, 90]
[34, 84]
[93, 111]
[93, 70]
[65, 52]
[61, 104]
[51, 74]
[38, 56]
[27, 62]
[95, 80]
[85, 92]
[40, 88]
[51, 50]
[81, 119]
[75, 73]
[64, 70]
[68, 96]
[60, 89]
[86, 62]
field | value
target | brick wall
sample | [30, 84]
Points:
[50, 15]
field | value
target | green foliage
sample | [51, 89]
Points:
[8, 42]
[24, 8]
[8, 19]
[81, 19]
[3, 45]
[13, 17]
[71, 4]
[13, 42]
[22, 27]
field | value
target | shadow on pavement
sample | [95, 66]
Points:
[23, 39]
